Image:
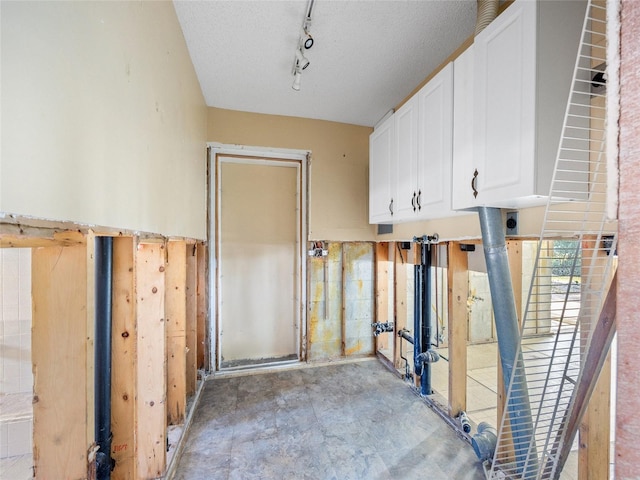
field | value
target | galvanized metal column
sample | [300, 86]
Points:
[508, 331]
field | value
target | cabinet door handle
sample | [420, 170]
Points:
[413, 201]
[474, 183]
[391, 207]
[418, 201]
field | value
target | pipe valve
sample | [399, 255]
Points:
[464, 422]
[431, 239]
[382, 328]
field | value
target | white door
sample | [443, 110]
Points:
[259, 208]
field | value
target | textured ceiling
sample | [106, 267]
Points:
[367, 57]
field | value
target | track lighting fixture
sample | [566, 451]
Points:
[307, 39]
[301, 61]
[297, 76]
[305, 42]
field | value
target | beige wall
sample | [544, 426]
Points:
[465, 227]
[339, 173]
[339, 176]
[103, 120]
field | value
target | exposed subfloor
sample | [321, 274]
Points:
[342, 421]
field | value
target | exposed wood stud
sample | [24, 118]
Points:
[595, 426]
[191, 319]
[385, 341]
[151, 366]
[201, 299]
[175, 318]
[343, 313]
[123, 384]
[458, 281]
[59, 355]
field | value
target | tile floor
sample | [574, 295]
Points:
[16, 432]
[16, 468]
[343, 421]
[481, 394]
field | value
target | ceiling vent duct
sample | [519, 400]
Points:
[487, 12]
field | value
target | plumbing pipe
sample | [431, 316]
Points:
[484, 442]
[428, 356]
[487, 12]
[508, 332]
[464, 422]
[425, 379]
[380, 328]
[102, 347]
[404, 333]
[417, 308]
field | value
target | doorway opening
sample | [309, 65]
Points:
[259, 274]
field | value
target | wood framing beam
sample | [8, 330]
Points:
[15, 237]
[29, 232]
[400, 296]
[191, 318]
[150, 366]
[382, 342]
[343, 313]
[202, 352]
[594, 430]
[59, 355]
[458, 281]
[90, 289]
[175, 330]
[603, 332]
[123, 348]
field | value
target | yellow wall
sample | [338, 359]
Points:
[339, 173]
[103, 120]
[465, 227]
[339, 178]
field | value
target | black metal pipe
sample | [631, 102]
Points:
[425, 379]
[404, 333]
[417, 307]
[102, 348]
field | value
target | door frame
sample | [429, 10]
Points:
[270, 156]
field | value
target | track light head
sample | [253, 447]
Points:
[302, 62]
[307, 40]
[297, 76]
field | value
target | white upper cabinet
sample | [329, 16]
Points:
[435, 138]
[463, 159]
[511, 90]
[424, 132]
[382, 171]
[406, 120]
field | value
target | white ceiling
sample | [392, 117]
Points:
[367, 57]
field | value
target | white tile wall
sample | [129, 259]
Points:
[16, 375]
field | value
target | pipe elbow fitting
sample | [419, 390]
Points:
[430, 356]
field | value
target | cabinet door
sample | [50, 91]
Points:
[504, 110]
[435, 126]
[406, 119]
[382, 173]
[463, 159]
